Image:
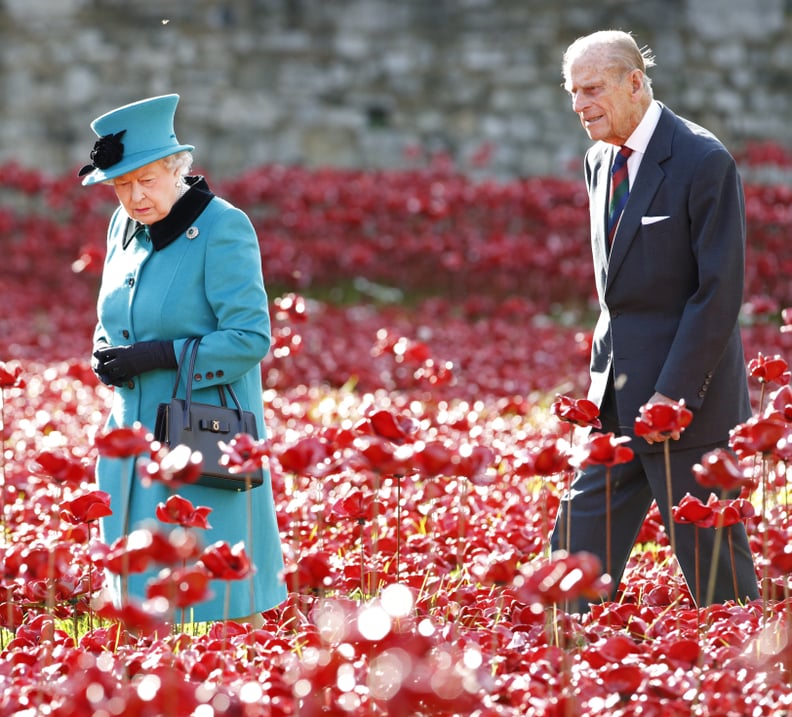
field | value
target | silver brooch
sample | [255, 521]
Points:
[192, 232]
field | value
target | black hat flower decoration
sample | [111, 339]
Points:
[107, 151]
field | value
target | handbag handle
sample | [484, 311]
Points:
[196, 341]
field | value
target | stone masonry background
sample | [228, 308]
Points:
[368, 83]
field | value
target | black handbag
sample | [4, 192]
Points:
[201, 426]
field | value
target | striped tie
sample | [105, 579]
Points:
[620, 190]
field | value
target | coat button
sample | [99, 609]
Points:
[125, 334]
[197, 377]
[220, 374]
[131, 281]
[130, 383]
[209, 375]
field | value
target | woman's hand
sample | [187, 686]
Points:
[117, 365]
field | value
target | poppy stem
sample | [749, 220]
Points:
[669, 496]
[226, 610]
[2, 470]
[90, 595]
[765, 540]
[398, 527]
[363, 593]
[608, 565]
[249, 499]
[568, 491]
[731, 560]
[715, 551]
[462, 522]
[697, 561]
[55, 526]
[294, 490]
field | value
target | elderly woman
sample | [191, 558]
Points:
[180, 263]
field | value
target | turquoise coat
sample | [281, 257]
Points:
[197, 274]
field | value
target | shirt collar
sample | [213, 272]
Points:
[639, 139]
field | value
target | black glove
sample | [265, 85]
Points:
[98, 367]
[121, 363]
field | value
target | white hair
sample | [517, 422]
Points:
[622, 51]
[181, 160]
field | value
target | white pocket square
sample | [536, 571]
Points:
[652, 220]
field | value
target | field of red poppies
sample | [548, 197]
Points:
[431, 336]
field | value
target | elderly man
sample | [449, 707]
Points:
[668, 243]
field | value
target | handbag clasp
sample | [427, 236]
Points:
[215, 425]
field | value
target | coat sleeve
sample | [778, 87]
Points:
[709, 319]
[101, 336]
[234, 288]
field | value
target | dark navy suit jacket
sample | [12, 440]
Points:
[671, 290]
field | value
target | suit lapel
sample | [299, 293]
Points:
[645, 185]
[599, 189]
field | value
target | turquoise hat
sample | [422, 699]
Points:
[131, 137]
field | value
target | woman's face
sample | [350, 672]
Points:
[149, 193]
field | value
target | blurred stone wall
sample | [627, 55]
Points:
[372, 83]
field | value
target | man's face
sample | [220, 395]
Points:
[606, 99]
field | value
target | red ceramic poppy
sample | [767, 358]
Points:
[665, 418]
[181, 587]
[769, 369]
[144, 618]
[311, 573]
[11, 376]
[720, 470]
[474, 461]
[86, 507]
[175, 467]
[692, 510]
[124, 442]
[729, 512]
[63, 467]
[394, 427]
[381, 456]
[606, 449]
[548, 457]
[758, 435]
[580, 411]
[433, 458]
[224, 562]
[307, 456]
[357, 505]
[181, 511]
[564, 577]
[244, 454]
[786, 317]
[779, 405]
[137, 551]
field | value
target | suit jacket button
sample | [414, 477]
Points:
[197, 377]
[209, 375]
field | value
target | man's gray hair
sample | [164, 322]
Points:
[621, 48]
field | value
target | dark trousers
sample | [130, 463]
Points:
[633, 487]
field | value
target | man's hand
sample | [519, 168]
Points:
[657, 437]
